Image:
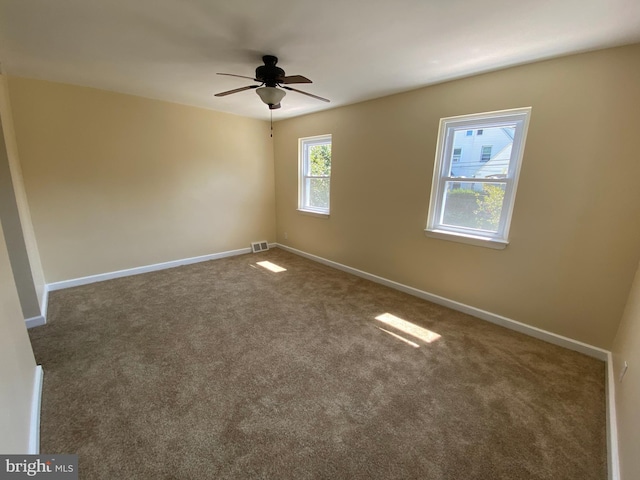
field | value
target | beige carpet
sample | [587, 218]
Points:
[226, 370]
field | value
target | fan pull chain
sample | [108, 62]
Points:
[271, 113]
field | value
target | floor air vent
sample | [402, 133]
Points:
[259, 246]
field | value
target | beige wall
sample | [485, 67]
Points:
[17, 365]
[116, 181]
[576, 224]
[627, 347]
[14, 210]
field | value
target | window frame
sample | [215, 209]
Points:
[303, 174]
[453, 155]
[443, 162]
[482, 154]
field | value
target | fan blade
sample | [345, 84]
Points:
[305, 93]
[236, 90]
[273, 107]
[295, 79]
[239, 76]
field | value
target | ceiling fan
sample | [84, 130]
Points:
[270, 78]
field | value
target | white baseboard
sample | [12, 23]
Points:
[76, 282]
[35, 321]
[36, 402]
[42, 318]
[612, 423]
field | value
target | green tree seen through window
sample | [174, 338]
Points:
[320, 159]
[320, 165]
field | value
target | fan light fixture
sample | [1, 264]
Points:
[271, 77]
[271, 96]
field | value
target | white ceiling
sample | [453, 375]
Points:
[353, 50]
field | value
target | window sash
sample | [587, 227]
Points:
[440, 225]
[485, 153]
[309, 190]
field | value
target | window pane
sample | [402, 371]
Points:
[320, 159]
[486, 157]
[473, 205]
[318, 193]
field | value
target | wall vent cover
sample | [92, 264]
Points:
[259, 246]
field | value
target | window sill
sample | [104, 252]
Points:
[311, 213]
[468, 239]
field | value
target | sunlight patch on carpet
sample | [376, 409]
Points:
[407, 327]
[271, 266]
[399, 337]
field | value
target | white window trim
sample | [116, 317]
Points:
[443, 159]
[496, 244]
[490, 147]
[313, 213]
[310, 141]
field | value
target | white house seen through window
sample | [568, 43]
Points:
[475, 179]
[315, 174]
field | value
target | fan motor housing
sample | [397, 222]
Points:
[269, 73]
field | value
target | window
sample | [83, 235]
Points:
[479, 132]
[315, 174]
[457, 153]
[469, 133]
[473, 203]
[485, 156]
